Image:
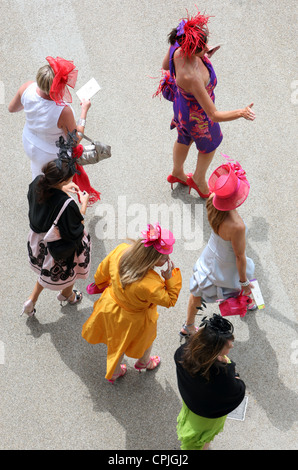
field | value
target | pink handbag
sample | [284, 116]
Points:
[93, 289]
[235, 305]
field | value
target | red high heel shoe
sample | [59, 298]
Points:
[192, 185]
[173, 179]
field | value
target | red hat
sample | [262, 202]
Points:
[229, 185]
[65, 74]
[162, 240]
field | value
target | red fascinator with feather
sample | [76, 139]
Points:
[65, 75]
[195, 32]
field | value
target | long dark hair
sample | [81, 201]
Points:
[54, 173]
[203, 348]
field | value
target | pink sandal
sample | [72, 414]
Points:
[116, 376]
[153, 362]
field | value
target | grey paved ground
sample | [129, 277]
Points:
[53, 391]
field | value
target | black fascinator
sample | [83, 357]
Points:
[65, 151]
[219, 325]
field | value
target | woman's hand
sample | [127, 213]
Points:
[86, 104]
[84, 197]
[211, 51]
[248, 113]
[247, 289]
[167, 273]
[71, 188]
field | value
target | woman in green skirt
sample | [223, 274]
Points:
[207, 382]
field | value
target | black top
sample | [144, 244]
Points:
[42, 216]
[214, 398]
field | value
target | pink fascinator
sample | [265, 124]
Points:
[162, 240]
[229, 185]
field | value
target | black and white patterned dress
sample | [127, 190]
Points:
[57, 274]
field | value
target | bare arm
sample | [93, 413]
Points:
[84, 196]
[67, 122]
[238, 244]
[166, 61]
[197, 88]
[15, 105]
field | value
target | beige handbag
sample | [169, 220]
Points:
[93, 153]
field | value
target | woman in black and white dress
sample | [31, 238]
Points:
[61, 259]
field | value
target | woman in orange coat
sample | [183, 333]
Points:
[125, 316]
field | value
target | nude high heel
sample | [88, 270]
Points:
[28, 308]
[77, 298]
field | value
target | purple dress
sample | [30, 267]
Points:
[190, 120]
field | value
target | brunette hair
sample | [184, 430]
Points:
[44, 78]
[215, 217]
[53, 174]
[136, 261]
[172, 37]
[204, 347]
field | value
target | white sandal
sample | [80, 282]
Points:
[78, 297]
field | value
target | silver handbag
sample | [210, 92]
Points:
[93, 153]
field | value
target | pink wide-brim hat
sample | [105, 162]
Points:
[161, 239]
[229, 185]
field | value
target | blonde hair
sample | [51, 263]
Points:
[44, 78]
[215, 217]
[136, 261]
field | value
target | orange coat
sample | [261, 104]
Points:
[126, 319]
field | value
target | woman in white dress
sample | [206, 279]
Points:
[48, 112]
[223, 269]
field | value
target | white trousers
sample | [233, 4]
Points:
[37, 157]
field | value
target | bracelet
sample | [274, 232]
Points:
[81, 122]
[245, 283]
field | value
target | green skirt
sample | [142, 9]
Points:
[194, 431]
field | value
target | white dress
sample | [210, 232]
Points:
[41, 131]
[215, 275]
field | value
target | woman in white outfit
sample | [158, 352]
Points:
[48, 112]
[223, 269]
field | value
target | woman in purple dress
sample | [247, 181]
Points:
[195, 115]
